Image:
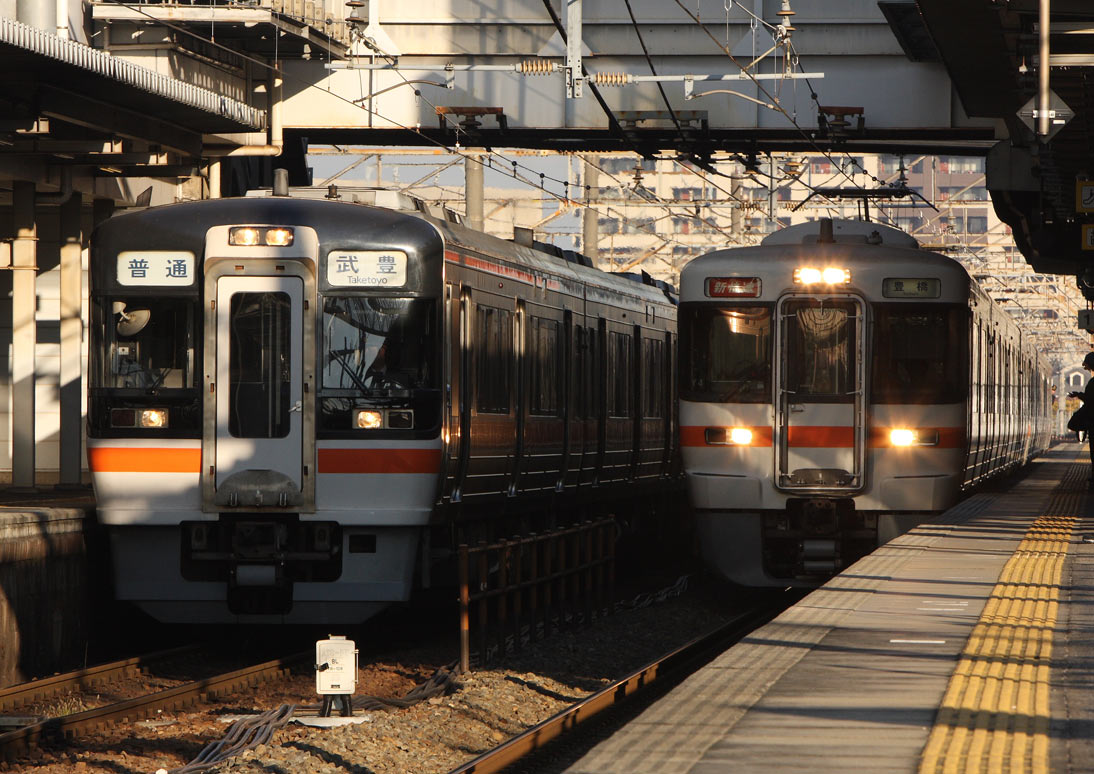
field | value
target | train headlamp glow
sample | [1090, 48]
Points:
[279, 237]
[244, 237]
[368, 419]
[249, 236]
[906, 436]
[830, 275]
[728, 436]
[740, 436]
[902, 436]
[153, 418]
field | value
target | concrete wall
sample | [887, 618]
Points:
[45, 592]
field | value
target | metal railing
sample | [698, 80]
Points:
[529, 586]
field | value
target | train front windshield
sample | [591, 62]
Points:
[726, 353]
[146, 360]
[378, 350]
[920, 353]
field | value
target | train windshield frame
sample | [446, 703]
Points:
[378, 350]
[726, 352]
[920, 353]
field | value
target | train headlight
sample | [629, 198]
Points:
[400, 419]
[740, 436]
[152, 418]
[728, 436]
[903, 436]
[830, 275]
[244, 236]
[279, 237]
[249, 236]
[368, 419]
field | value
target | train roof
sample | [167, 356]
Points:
[523, 249]
[401, 220]
[873, 260]
[843, 232]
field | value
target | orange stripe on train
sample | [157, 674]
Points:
[379, 460]
[143, 460]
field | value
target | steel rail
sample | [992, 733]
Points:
[674, 662]
[22, 740]
[31, 691]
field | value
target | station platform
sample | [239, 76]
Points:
[965, 645]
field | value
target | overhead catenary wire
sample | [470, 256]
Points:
[516, 168]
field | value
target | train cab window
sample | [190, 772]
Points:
[378, 350]
[146, 362]
[725, 353]
[920, 353]
[149, 344]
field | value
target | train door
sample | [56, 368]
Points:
[259, 378]
[820, 400]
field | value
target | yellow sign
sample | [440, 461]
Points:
[1088, 237]
[1084, 195]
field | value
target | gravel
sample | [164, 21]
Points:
[486, 707]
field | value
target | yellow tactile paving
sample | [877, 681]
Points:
[995, 714]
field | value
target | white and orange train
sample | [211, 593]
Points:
[298, 406]
[838, 386]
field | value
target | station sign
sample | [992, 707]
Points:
[155, 268]
[1084, 196]
[1088, 237]
[366, 268]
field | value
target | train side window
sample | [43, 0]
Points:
[620, 383]
[494, 332]
[591, 386]
[725, 353]
[653, 388]
[546, 368]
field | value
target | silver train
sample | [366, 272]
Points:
[298, 407]
[838, 386]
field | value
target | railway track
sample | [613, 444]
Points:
[587, 721]
[22, 740]
[22, 694]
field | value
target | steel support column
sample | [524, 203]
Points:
[24, 333]
[473, 191]
[71, 240]
[1044, 67]
[590, 223]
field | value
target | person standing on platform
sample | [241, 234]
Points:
[1087, 397]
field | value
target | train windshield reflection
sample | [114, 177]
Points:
[920, 353]
[373, 344]
[149, 344]
[726, 353]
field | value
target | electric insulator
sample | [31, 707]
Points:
[537, 66]
[610, 79]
